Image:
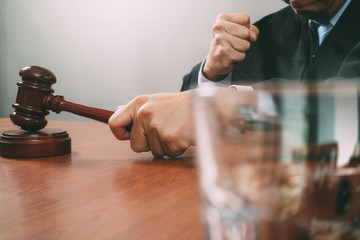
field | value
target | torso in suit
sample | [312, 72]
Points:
[285, 50]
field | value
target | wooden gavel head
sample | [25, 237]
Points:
[30, 110]
[34, 100]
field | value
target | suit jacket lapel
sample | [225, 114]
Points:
[337, 45]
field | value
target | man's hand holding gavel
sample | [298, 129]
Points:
[160, 123]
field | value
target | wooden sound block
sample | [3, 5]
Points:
[49, 142]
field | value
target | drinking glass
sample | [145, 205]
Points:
[279, 161]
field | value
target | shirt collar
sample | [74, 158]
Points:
[337, 16]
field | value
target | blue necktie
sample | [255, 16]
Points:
[323, 31]
[319, 32]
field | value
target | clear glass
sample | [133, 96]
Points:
[280, 162]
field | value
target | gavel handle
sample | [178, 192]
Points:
[58, 104]
[85, 111]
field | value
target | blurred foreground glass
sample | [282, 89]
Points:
[281, 162]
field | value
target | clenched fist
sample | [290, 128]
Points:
[160, 123]
[232, 35]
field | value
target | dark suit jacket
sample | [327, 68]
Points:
[284, 49]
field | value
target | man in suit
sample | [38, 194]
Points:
[287, 46]
[309, 41]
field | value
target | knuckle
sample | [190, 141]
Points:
[139, 100]
[223, 50]
[184, 145]
[246, 45]
[217, 27]
[144, 113]
[245, 18]
[246, 34]
[154, 126]
[172, 153]
[217, 39]
[241, 56]
[221, 16]
[157, 154]
[136, 147]
[168, 138]
[176, 149]
[112, 123]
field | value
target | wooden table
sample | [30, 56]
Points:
[102, 190]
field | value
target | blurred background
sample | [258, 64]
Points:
[106, 52]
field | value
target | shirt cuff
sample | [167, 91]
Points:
[203, 81]
[242, 88]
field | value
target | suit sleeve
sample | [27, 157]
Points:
[190, 80]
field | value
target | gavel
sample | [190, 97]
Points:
[35, 97]
[34, 100]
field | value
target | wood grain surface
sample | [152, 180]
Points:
[102, 190]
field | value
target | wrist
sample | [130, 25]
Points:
[213, 76]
